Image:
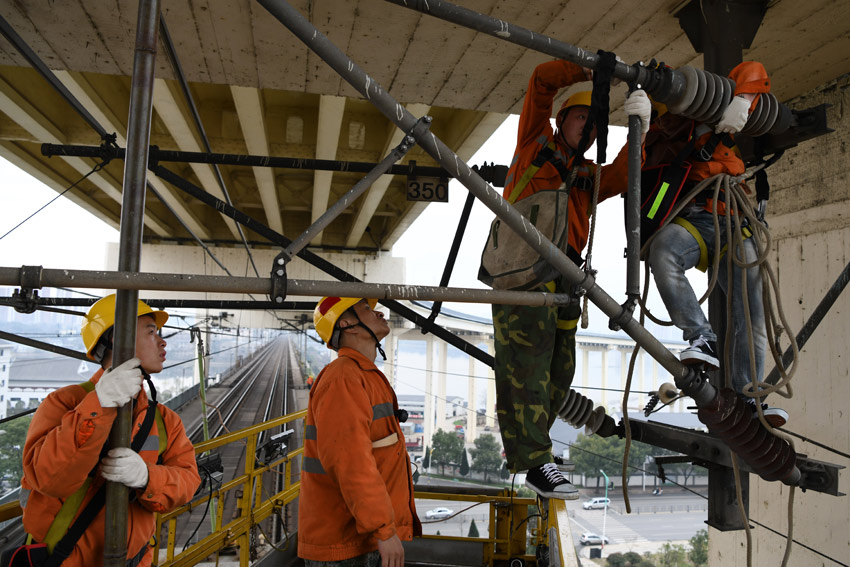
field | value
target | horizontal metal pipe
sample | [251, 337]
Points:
[158, 155]
[235, 284]
[401, 117]
[42, 304]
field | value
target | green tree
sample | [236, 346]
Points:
[628, 559]
[447, 449]
[426, 461]
[504, 473]
[486, 455]
[464, 464]
[12, 449]
[699, 549]
[673, 555]
[590, 454]
[473, 530]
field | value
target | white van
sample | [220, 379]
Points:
[596, 503]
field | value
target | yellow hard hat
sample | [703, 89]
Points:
[101, 318]
[328, 311]
[581, 98]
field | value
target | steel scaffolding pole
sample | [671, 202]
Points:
[316, 260]
[129, 254]
[133, 280]
[160, 155]
[350, 196]
[399, 115]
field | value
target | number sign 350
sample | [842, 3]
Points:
[427, 189]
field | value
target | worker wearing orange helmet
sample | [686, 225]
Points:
[64, 467]
[535, 346]
[355, 460]
[687, 240]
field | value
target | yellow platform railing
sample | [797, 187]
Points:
[252, 511]
[512, 532]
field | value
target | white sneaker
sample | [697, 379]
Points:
[776, 417]
[547, 481]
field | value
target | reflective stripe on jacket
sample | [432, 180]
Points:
[535, 131]
[63, 446]
[356, 485]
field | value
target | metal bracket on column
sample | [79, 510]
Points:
[628, 309]
[278, 275]
[26, 298]
[422, 126]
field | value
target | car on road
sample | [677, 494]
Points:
[438, 513]
[596, 503]
[588, 538]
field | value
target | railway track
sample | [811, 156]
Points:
[253, 394]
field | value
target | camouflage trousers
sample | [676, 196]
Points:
[371, 559]
[535, 365]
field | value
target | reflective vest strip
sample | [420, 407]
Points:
[310, 432]
[312, 465]
[382, 410]
[657, 203]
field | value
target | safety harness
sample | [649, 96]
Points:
[62, 535]
[663, 186]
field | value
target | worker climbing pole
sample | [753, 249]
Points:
[690, 92]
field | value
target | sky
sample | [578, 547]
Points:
[63, 235]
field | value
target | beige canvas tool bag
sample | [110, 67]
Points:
[508, 262]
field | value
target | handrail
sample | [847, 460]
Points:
[236, 531]
[503, 541]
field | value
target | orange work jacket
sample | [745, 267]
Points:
[356, 485]
[63, 445]
[670, 133]
[535, 132]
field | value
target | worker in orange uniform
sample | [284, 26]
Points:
[535, 346]
[65, 455]
[690, 239]
[356, 489]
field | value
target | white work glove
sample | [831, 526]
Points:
[124, 465]
[119, 385]
[734, 117]
[637, 104]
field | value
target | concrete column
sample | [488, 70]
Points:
[490, 409]
[471, 415]
[441, 388]
[428, 424]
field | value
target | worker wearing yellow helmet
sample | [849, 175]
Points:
[70, 430]
[535, 346]
[97, 331]
[355, 461]
[334, 316]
